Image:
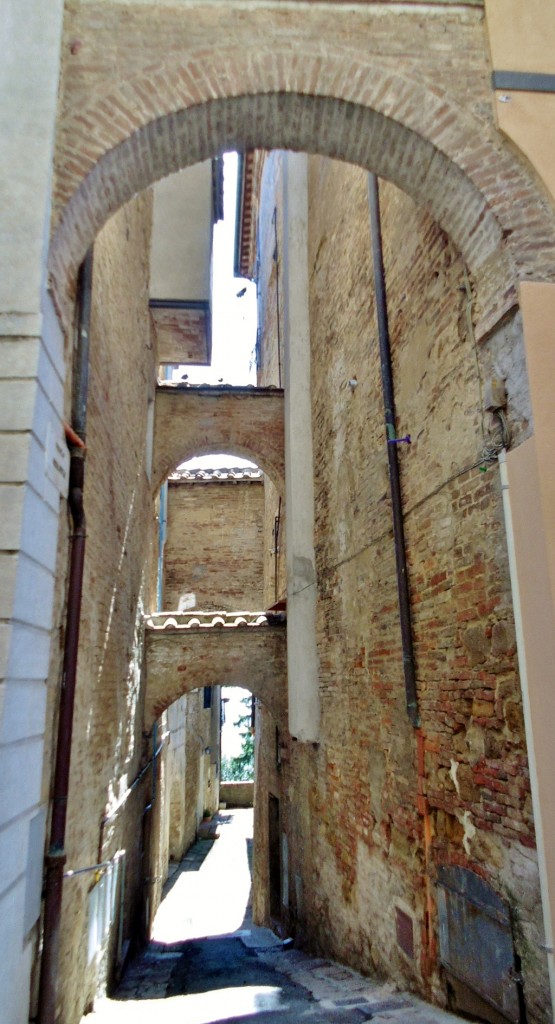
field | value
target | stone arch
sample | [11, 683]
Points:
[407, 131]
[181, 660]
[207, 420]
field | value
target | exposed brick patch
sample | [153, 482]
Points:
[182, 335]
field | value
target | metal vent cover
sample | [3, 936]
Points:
[475, 939]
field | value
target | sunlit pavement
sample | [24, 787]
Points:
[207, 963]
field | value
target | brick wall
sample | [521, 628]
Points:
[407, 95]
[107, 750]
[472, 766]
[378, 807]
[213, 553]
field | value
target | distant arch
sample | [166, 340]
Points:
[207, 420]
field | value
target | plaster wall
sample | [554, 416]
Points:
[237, 794]
[302, 658]
[522, 39]
[182, 235]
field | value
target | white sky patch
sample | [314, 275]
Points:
[234, 319]
[231, 739]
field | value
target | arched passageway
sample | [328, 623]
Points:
[485, 227]
[182, 658]
[408, 128]
[426, 128]
[192, 421]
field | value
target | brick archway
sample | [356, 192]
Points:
[180, 660]
[412, 134]
[193, 421]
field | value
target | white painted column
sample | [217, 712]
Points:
[31, 399]
[302, 657]
[535, 633]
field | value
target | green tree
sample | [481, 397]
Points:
[241, 768]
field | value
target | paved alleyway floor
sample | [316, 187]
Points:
[207, 963]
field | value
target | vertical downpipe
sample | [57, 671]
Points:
[390, 428]
[56, 855]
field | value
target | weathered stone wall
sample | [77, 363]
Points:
[106, 809]
[213, 553]
[237, 794]
[379, 807]
[177, 766]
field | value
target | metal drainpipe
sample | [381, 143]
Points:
[56, 855]
[391, 437]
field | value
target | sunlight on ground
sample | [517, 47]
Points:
[198, 1008]
[212, 900]
[223, 1003]
[209, 896]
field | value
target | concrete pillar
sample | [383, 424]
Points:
[32, 470]
[302, 657]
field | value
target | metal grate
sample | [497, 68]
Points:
[475, 939]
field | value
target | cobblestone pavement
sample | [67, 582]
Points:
[208, 963]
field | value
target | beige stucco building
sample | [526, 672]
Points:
[451, 106]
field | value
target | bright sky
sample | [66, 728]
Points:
[233, 318]
[231, 740]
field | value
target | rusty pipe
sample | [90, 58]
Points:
[56, 856]
[393, 462]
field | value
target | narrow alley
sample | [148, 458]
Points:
[208, 963]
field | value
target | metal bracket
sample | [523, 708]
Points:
[523, 81]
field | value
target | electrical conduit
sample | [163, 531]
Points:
[391, 438]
